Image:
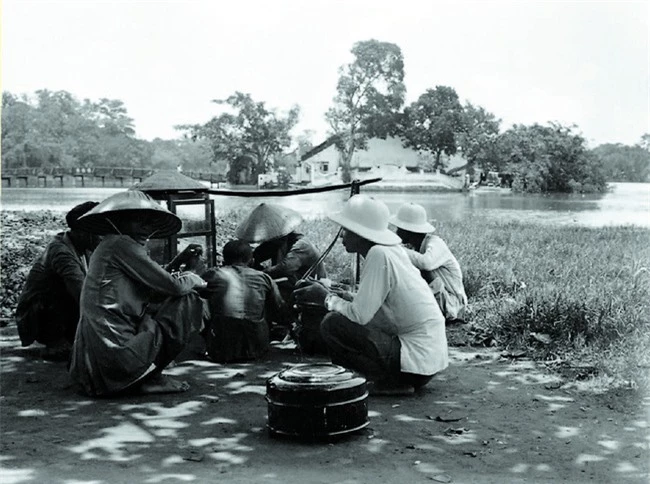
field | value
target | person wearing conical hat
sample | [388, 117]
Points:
[392, 331]
[135, 317]
[48, 306]
[432, 256]
[286, 250]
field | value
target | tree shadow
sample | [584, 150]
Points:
[485, 418]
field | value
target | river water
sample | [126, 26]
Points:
[625, 204]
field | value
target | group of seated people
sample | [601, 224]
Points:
[120, 318]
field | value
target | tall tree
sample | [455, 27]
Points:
[432, 122]
[252, 132]
[369, 94]
[478, 135]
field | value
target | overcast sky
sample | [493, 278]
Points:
[585, 63]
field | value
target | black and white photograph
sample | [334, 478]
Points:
[325, 241]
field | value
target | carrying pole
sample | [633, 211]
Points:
[356, 268]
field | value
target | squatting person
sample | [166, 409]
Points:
[392, 331]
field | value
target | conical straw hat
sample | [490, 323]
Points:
[268, 221]
[125, 204]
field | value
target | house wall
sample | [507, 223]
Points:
[389, 151]
[386, 157]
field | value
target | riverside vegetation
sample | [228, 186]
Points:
[574, 298]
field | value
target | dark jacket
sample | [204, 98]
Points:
[243, 302]
[48, 307]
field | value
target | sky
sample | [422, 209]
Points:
[583, 63]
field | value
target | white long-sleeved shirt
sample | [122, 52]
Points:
[435, 256]
[393, 296]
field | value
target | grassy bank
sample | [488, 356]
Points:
[573, 297]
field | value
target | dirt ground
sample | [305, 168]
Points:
[486, 419]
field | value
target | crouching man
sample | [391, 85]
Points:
[393, 331]
[243, 301]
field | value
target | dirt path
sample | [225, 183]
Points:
[485, 419]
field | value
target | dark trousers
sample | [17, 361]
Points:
[47, 322]
[367, 350]
[177, 318]
[232, 339]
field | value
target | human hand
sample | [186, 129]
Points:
[343, 294]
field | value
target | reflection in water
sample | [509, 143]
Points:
[626, 204]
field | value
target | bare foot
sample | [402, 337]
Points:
[163, 384]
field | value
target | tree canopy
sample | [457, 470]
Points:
[248, 138]
[369, 94]
[622, 163]
[550, 158]
[54, 129]
[432, 122]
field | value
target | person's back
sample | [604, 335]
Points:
[407, 308]
[48, 306]
[431, 255]
[238, 291]
[50, 288]
[242, 302]
[441, 270]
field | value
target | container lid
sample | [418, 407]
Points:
[316, 373]
[316, 384]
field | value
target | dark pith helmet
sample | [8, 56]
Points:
[268, 221]
[103, 219]
[73, 215]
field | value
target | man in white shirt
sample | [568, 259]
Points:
[393, 331]
[430, 254]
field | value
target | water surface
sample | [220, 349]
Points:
[625, 204]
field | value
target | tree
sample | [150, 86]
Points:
[17, 117]
[431, 123]
[623, 163]
[550, 159]
[252, 133]
[369, 94]
[110, 115]
[305, 141]
[478, 135]
[191, 155]
[53, 129]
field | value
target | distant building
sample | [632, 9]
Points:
[386, 158]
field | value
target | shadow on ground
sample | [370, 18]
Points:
[484, 419]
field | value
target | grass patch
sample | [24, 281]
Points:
[574, 296]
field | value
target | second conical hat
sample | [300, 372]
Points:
[268, 221]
